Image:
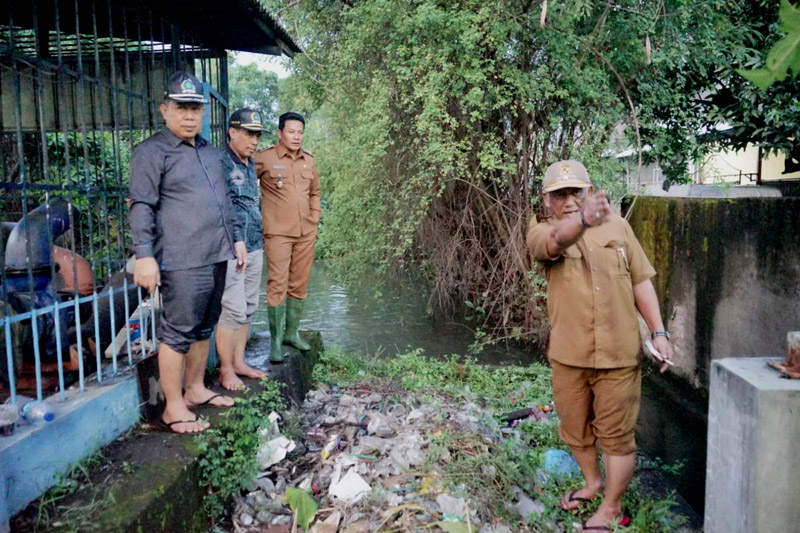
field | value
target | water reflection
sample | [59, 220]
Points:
[389, 316]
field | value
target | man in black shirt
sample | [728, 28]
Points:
[184, 231]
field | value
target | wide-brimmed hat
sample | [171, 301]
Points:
[564, 174]
[184, 87]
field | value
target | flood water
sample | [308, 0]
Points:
[387, 317]
[391, 317]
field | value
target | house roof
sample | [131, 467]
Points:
[241, 25]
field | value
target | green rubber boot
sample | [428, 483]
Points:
[277, 325]
[294, 310]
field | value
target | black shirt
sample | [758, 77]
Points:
[181, 211]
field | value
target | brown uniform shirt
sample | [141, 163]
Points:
[289, 191]
[590, 294]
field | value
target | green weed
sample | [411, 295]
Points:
[228, 449]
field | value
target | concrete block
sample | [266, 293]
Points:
[34, 457]
[753, 464]
[4, 527]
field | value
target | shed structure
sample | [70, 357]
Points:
[80, 85]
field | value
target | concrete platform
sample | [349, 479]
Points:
[33, 459]
[146, 480]
[753, 465]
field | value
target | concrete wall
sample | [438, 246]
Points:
[728, 275]
[34, 458]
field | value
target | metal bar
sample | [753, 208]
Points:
[85, 174]
[23, 178]
[141, 319]
[51, 308]
[56, 188]
[127, 316]
[153, 317]
[10, 362]
[68, 180]
[46, 170]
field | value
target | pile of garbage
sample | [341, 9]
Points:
[367, 462]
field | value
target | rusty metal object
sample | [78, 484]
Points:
[790, 368]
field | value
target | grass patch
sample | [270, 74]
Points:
[504, 388]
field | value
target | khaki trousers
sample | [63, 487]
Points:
[597, 405]
[289, 262]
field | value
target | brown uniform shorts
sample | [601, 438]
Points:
[597, 405]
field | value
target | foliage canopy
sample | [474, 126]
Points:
[434, 120]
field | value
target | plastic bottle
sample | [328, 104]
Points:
[35, 411]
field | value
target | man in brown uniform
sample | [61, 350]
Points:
[597, 277]
[290, 210]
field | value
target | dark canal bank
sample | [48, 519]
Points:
[376, 316]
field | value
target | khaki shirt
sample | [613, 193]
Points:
[289, 191]
[590, 294]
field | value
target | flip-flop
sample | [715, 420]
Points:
[572, 498]
[166, 427]
[623, 521]
[208, 401]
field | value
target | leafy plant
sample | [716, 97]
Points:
[784, 56]
[303, 506]
[228, 449]
[433, 122]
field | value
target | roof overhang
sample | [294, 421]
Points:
[239, 25]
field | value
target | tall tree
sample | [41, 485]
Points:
[436, 119]
[250, 86]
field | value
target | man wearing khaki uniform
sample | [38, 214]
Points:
[290, 210]
[597, 278]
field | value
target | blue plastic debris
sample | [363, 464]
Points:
[560, 463]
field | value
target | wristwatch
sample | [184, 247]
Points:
[659, 334]
[583, 221]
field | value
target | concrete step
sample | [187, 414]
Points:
[148, 480]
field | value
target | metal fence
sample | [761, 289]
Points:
[80, 85]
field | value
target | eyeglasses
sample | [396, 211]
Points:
[561, 195]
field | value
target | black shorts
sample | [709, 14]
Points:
[191, 301]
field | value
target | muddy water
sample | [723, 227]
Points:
[390, 318]
[376, 316]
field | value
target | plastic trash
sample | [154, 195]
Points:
[452, 508]
[560, 463]
[351, 488]
[274, 451]
[35, 411]
[329, 448]
[9, 416]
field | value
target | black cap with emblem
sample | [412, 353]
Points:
[184, 87]
[246, 119]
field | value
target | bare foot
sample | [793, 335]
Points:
[243, 369]
[604, 516]
[573, 499]
[203, 396]
[229, 380]
[184, 421]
